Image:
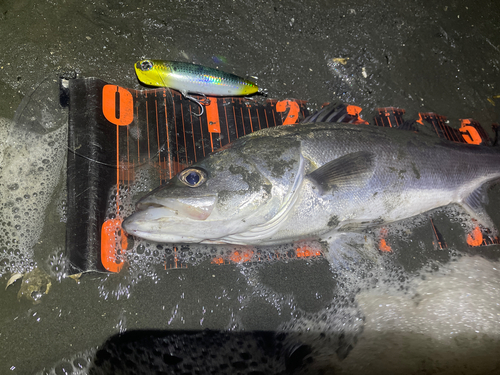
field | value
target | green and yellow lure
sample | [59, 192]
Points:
[192, 78]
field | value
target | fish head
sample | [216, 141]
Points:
[152, 72]
[222, 195]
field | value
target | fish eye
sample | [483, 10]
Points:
[146, 65]
[193, 177]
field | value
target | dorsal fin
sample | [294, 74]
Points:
[333, 112]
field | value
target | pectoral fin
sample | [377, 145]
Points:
[349, 170]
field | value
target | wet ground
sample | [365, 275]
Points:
[421, 310]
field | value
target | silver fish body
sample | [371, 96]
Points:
[310, 181]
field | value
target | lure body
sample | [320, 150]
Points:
[191, 78]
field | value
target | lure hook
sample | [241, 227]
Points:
[205, 101]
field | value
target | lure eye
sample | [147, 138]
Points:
[146, 65]
[193, 177]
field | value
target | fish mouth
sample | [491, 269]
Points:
[197, 208]
[147, 224]
[154, 217]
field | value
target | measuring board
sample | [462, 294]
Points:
[115, 132]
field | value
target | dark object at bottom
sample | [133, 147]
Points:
[200, 352]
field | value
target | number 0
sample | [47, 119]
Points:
[117, 105]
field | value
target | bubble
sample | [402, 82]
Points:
[79, 364]
[140, 249]
[28, 184]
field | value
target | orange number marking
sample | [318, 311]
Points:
[475, 238]
[108, 245]
[212, 111]
[470, 133]
[293, 113]
[124, 114]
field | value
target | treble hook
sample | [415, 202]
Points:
[201, 103]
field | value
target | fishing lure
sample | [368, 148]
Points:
[195, 79]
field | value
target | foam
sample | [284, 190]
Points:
[444, 318]
[31, 169]
[32, 156]
[57, 263]
[449, 321]
[78, 364]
